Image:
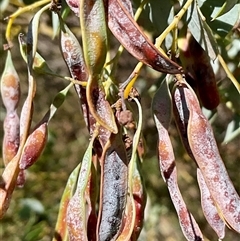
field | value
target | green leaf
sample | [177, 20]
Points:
[201, 31]
[226, 7]
[229, 14]
[32, 36]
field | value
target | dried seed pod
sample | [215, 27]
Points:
[196, 63]
[34, 146]
[72, 54]
[209, 208]
[139, 196]
[11, 137]
[99, 106]
[161, 107]
[181, 116]
[74, 6]
[129, 34]
[76, 212]
[205, 151]
[61, 232]
[10, 87]
[113, 190]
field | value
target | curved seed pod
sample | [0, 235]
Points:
[10, 87]
[209, 209]
[161, 108]
[113, 190]
[60, 232]
[34, 146]
[94, 34]
[206, 154]
[76, 212]
[99, 106]
[196, 62]
[129, 34]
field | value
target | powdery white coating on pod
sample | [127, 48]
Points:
[11, 136]
[209, 209]
[34, 146]
[205, 151]
[161, 107]
[74, 6]
[10, 87]
[114, 196]
[72, 54]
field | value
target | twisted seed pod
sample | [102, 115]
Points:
[34, 146]
[181, 114]
[205, 151]
[10, 92]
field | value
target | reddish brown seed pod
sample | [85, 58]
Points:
[129, 34]
[34, 146]
[209, 208]
[11, 137]
[196, 63]
[205, 151]
[161, 108]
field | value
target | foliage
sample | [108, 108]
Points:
[186, 85]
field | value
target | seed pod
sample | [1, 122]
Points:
[74, 6]
[10, 87]
[99, 106]
[61, 232]
[196, 62]
[72, 53]
[113, 190]
[139, 196]
[181, 116]
[11, 137]
[209, 209]
[206, 154]
[129, 34]
[94, 34]
[34, 146]
[161, 107]
[76, 212]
